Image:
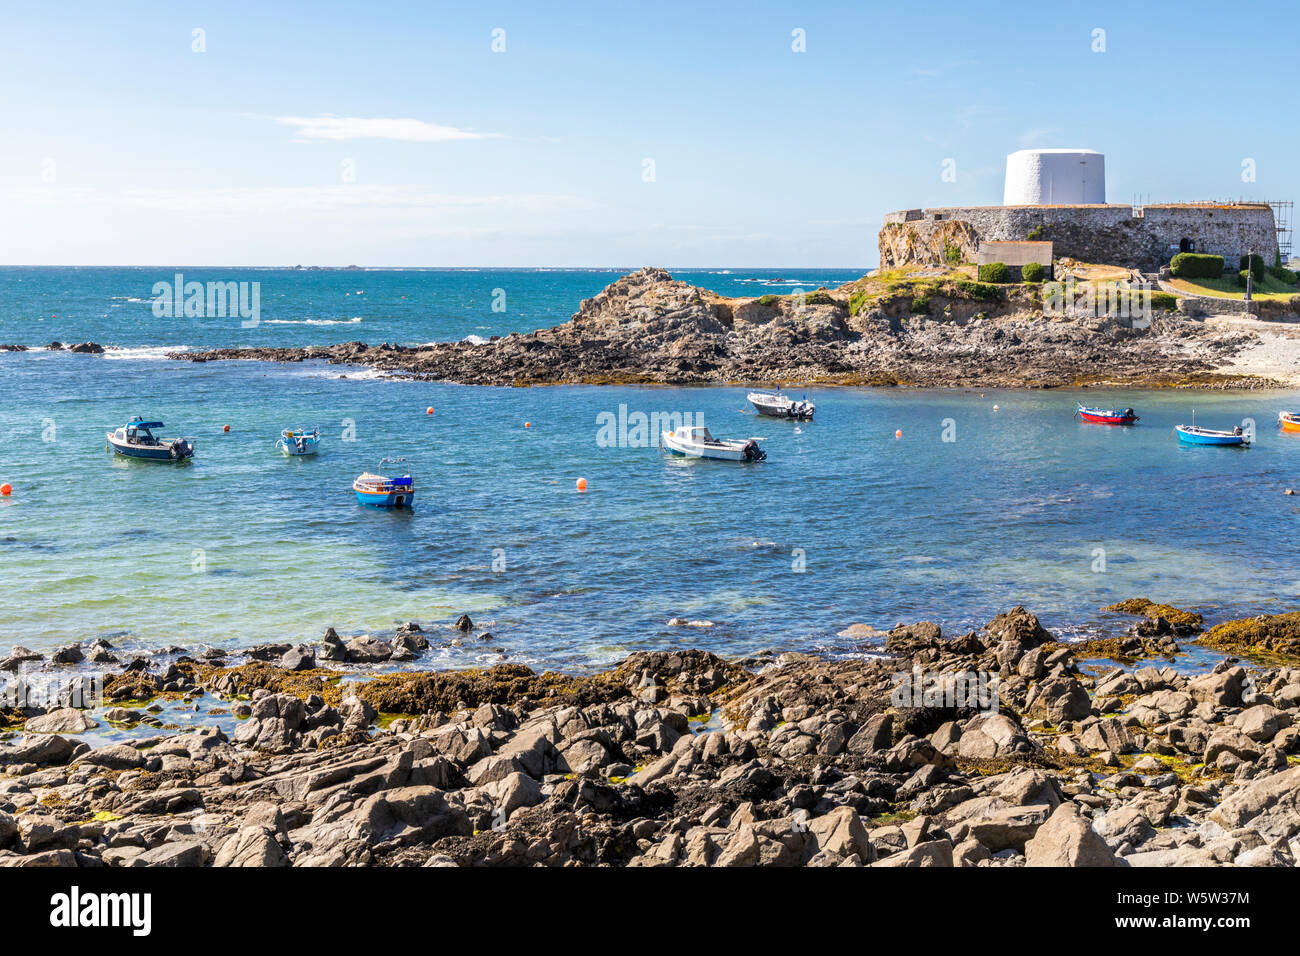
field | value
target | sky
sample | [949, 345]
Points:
[565, 134]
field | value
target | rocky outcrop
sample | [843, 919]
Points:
[681, 758]
[650, 328]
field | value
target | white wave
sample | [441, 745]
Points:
[118, 352]
[475, 339]
[352, 321]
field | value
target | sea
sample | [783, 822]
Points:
[893, 505]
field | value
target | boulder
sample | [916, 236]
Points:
[1067, 839]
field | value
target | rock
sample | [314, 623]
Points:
[406, 815]
[463, 623]
[1221, 687]
[1269, 805]
[66, 720]
[367, 650]
[68, 654]
[300, 658]
[930, 854]
[876, 734]
[332, 647]
[251, 846]
[112, 757]
[182, 853]
[1108, 734]
[988, 736]
[841, 831]
[1058, 700]
[1067, 839]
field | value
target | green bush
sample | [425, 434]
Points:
[1256, 265]
[1035, 234]
[1164, 301]
[921, 304]
[1242, 276]
[1195, 265]
[951, 254]
[1032, 272]
[818, 298]
[993, 272]
[979, 290]
[1284, 275]
[768, 299]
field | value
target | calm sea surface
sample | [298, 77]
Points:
[843, 523]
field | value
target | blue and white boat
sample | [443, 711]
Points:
[1195, 435]
[136, 439]
[382, 491]
[299, 441]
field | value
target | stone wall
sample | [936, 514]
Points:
[1109, 234]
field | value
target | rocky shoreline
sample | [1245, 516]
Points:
[678, 758]
[647, 328]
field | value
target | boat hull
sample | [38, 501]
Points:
[392, 499]
[148, 452]
[1209, 438]
[1096, 418]
[1289, 423]
[293, 449]
[774, 407]
[698, 450]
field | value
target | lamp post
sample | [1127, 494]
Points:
[1250, 272]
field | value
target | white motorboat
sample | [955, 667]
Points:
[779, 405]
[696, 442]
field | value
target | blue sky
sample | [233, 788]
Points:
[125, 146]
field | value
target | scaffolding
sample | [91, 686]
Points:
[1282, 209]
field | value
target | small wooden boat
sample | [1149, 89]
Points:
[381, 491]
[1195, 435]
[1288, 421]
[136, 439]
[1107, 416]
[298, 441]
[696, 442]
[777, 405]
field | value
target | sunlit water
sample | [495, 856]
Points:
[843, 523]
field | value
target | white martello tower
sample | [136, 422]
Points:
[1055, 177]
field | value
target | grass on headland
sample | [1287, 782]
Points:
[1269, 288]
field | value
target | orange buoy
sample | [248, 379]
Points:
[6, 489]
[429, 410]
[898, 433]
[528, 424]
[582, 484]
[225, 428]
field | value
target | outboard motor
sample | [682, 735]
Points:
[752, 452]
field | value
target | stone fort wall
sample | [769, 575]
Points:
[1143, 239]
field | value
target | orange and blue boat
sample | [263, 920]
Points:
[1288, 421]
[1107, 416]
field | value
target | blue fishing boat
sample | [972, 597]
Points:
[1194, 435]
[298, 441]
[136, 439]
[382, 491]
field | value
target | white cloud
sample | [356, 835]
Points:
[354, 127]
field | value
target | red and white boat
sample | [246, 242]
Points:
[1107, 416]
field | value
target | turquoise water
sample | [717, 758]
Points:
[843, 523]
